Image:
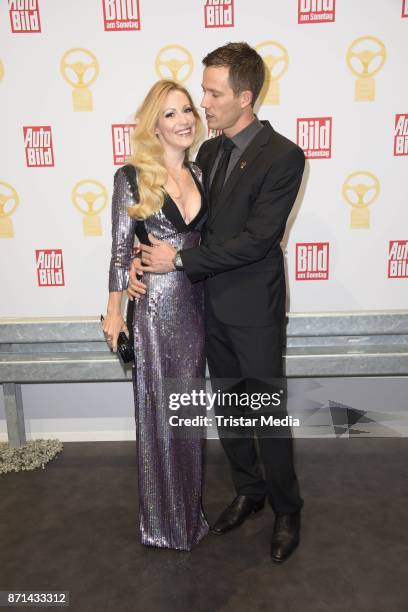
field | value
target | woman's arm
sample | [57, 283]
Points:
[123, 235]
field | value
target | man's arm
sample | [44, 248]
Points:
[263, 229]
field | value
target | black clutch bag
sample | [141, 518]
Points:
[125, 345]
[125, 348]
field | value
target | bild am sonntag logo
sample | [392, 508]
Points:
[121, 142]
[312, 261]
[121, 15]
[314, 136]
[316, 11]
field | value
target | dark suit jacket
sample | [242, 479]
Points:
[240, 257]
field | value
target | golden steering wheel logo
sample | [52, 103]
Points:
[90, 197]
[360, 190]
[174, 62]
[276, 60]
[1, 71]
[9, 201]
[365, 58]
[80, 68]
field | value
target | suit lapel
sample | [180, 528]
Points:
[242, 167]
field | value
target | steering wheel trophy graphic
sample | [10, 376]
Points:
[360, 190]
[9, 201]
[365, 58]
[80, 74]
[1, 71]
[276, 60]
[90, 198]
[174, 62]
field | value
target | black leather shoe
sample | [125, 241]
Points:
[236, 513]
[285, 537]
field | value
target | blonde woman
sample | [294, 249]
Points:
[160, 192]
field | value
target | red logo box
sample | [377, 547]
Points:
[121, 142]
[50, 267]
[401, 134]
[404, 8]
[219, 14]
[24, 16]
[314, 136]
[121, 15]
[316, 11]
[38, 146]
[398, 259]
[312, 261]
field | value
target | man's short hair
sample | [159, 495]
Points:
[246, 67]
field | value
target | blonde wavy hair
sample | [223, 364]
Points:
[147, 152]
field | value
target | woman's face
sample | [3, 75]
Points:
[176, 124]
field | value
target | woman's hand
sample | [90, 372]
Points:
[112, 324]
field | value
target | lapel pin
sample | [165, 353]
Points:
[242, 165]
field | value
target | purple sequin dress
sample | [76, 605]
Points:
[168, 329]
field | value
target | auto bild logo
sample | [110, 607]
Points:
[312, 261]
[38, 146]
[219, 14]
[121, 142]
[314, 136]
[24, 16]
[50, 267]
[404, 8]
[121, 15]
[398, 259]
[316, 11]
[401, 135]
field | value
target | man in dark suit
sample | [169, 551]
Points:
[252, 175]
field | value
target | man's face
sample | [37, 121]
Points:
[222, 108]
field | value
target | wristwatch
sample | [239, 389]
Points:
[178, 262]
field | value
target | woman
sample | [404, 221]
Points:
[159, 191]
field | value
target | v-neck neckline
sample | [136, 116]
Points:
[198, 185]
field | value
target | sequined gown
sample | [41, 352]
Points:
[168, 329]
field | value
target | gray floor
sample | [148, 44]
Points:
[73, 526]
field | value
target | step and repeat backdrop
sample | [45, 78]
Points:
[72, 74]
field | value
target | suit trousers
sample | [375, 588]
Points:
[248, 360]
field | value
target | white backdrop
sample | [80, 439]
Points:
[317, 84]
